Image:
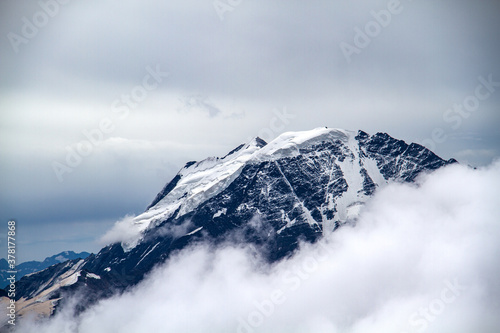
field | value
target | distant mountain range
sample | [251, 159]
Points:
[272, 195]
[30, 267]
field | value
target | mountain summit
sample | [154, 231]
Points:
[295, 188]
[318, 177]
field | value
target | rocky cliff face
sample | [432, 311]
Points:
[273, 195]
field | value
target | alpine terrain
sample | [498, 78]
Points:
[273, 195]
[30, 267]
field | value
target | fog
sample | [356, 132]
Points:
[422, 258]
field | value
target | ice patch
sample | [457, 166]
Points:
[93, 276]
[194, 231]
[220, 212]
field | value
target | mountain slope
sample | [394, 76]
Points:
[296, 188]
[30, 267]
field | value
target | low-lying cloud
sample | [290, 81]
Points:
[420, 259]
[123, 231]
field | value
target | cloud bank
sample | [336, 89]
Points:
[123, 231]
[420, 259]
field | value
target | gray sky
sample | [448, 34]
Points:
[228, 80]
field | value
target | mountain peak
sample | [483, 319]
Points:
[290, 142]
[258, 142]
[295, 188]
[200, 181]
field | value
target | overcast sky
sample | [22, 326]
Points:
[234, 72]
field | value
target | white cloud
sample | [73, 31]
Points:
[123, 231]
[421, 258]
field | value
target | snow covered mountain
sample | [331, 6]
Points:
[30, 267]
[295, 188]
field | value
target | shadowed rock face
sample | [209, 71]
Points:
[296, 188]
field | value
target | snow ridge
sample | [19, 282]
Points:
[200, 181]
